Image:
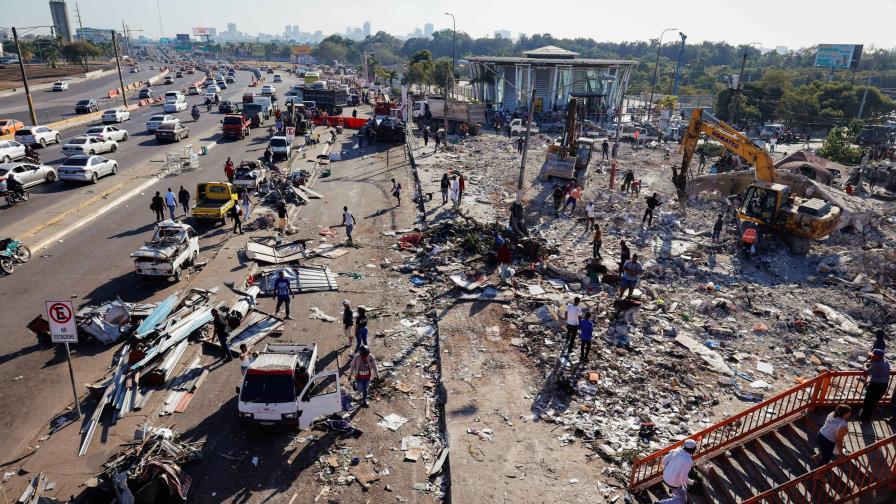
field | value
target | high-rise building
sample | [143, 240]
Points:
[213, 32]
[295, 31]
[59, 11]
[287, 32]
[231, 27]
[428, 29]
[366, 28]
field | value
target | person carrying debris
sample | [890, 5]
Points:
[652, 202]
[348, 321]
[283, 291]
[717, 229]
[573, 314]
[676, 467]
[876, 377]
[219, 322]
[363, 369]
[348, 220]
[831, 435]
[558, 198]
[445, 185]
[586, 334]
[183, 197]
[157, 205]
[361, 328]
[631, 273]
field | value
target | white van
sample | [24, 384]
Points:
[174, 96]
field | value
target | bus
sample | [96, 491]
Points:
[312, 77]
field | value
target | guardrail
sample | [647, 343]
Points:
[864, 471]
[827, 389]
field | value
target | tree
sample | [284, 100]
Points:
[838, 147]
[79, 52]
[329, 51]
[442, 72]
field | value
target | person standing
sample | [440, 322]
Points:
[157, 205]
[831, 435]
[219, 322]
[597, 242]
[461, 186]
[631, 273]
[702, 161]
[676, 467]
[519, 145]
[589, 216]
[586, 334]
[425, 136]
[228, 170]
[505, 257]
[348, 220]
[245, 358]
[876, 377]
[455, 192]
[605, 150]
[183, 197]
[717, 229]
[558, 198]
[247, 204]
[573, 314]
[445, 185]
[652, 202]
[348, 321]
[435, 136]
[281, 217]
[363, 369]
[235, 212]
[361, 328]
[171, 202]
[283, 291]
[627, 181]
[624, 254]
[396, 191]
[773, 142]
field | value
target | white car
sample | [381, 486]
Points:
[88, 145]
[60, 85]
[212, 88]
[277, 78]
[116, 115]
[10, 150]
[173, 247]
[193, 90]
[27, 174]
[268, 89]
[37, 135]
[280, 147]
[155, 121]
[210, 96]
[82, 168]
[109, 133]
[174, 106]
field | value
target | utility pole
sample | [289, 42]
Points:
[737, 91]
[127, 38]
[161, 28]
[622, 88]
[81, 26]
[678, 65]
[15, 38]
[517, 220]
[864, 97]
[656, 66]
[445, 108]
[124, 96]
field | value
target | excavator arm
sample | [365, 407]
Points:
[704, 122]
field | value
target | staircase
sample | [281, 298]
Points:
[763, 454]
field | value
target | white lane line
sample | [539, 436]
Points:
[83, 222]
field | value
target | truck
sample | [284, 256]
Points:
[173, 246]
[213, 201]
[330, 101]
[249, 175]
[518, 127]
[459, 112]
[235, 126]
[254, 112]
[282, 388]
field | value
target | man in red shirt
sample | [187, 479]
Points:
[228, 170]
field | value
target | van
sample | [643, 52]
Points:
[321, 84]
[174, 96]
[266, 103]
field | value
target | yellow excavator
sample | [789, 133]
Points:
[767, 204]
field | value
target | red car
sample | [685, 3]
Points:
[10, 126]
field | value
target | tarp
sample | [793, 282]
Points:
[347, 122]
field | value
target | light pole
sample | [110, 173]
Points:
[15, 38]
[656, 66]
[451, 73]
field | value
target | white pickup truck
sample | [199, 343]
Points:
[249, 174]
[518, 127]
[282, 388]
[173, 246]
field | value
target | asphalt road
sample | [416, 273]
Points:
[91, 264]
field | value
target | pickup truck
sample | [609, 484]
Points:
[249, 174]
[213, 201]
[283, 388]
[235, 126]
[173, 246]
[518, 127]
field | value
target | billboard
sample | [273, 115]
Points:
[301, 49]
[838, 56]
[182, 37]
[200, 31]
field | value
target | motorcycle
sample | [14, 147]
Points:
[12, 252]
[13, 197]
[195, 114]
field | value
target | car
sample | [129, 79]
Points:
[152, 67]
[146, 93]
[174, 106]
[157, 120]
[191, 71]
[108, 133]
[135, 69]
[83, 144]
[209, 96]
[193, 90]
[116, 115]
[60, 85]
[278, 78]
[268, 89]
[179, 75]
[37, 135]
[209, 82]
[10, 126]
[213, 88]
[270, 70]
[169, 79]
[27, 174]
[172, 132]
[85, 168]
[280, 147]
[10, 150]
[229, 79]
[86, 106]
[221, 84]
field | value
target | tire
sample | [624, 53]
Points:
[94, 178]
[114, 148]
[124, 138]
[58, 139]
[115, 169]
[6, 265]
[23, 254]
[43, 143]
[26, 195]
[51, 177]
[7, 159]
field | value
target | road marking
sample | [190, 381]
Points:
[83, 222]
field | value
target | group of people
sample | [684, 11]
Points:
[171, 202]
[453, 188]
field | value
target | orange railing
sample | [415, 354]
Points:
[846, 478]
[827, 389]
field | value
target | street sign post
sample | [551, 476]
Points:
[64, 329]
[290, 134]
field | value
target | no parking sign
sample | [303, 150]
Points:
[61, 316]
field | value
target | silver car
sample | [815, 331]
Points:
[28, 174]
[88, 145]
[10, 149]
[82, 168]
[108, 133]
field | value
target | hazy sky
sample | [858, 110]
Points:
[770, 23]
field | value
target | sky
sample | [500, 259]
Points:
[769, 23]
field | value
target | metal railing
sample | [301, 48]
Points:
[868, 469]
[827, 389]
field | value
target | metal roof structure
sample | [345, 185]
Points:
[551, 55]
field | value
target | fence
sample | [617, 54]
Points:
[827, 389]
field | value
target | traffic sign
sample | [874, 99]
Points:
[63, 328]
[290, 133]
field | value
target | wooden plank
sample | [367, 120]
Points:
[719, 486]
[786, 452]
[775, 468]
[757, 475]
[736, 478]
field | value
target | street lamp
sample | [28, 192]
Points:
[15, 37]
[453, 40]
[656, 65]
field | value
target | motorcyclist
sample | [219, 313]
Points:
[14, 186]
[195, 112]
[208, 104]
[30, 154]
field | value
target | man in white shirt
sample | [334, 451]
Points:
[589, 212]
[573, 314]
[676, 466]
[348, 220]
